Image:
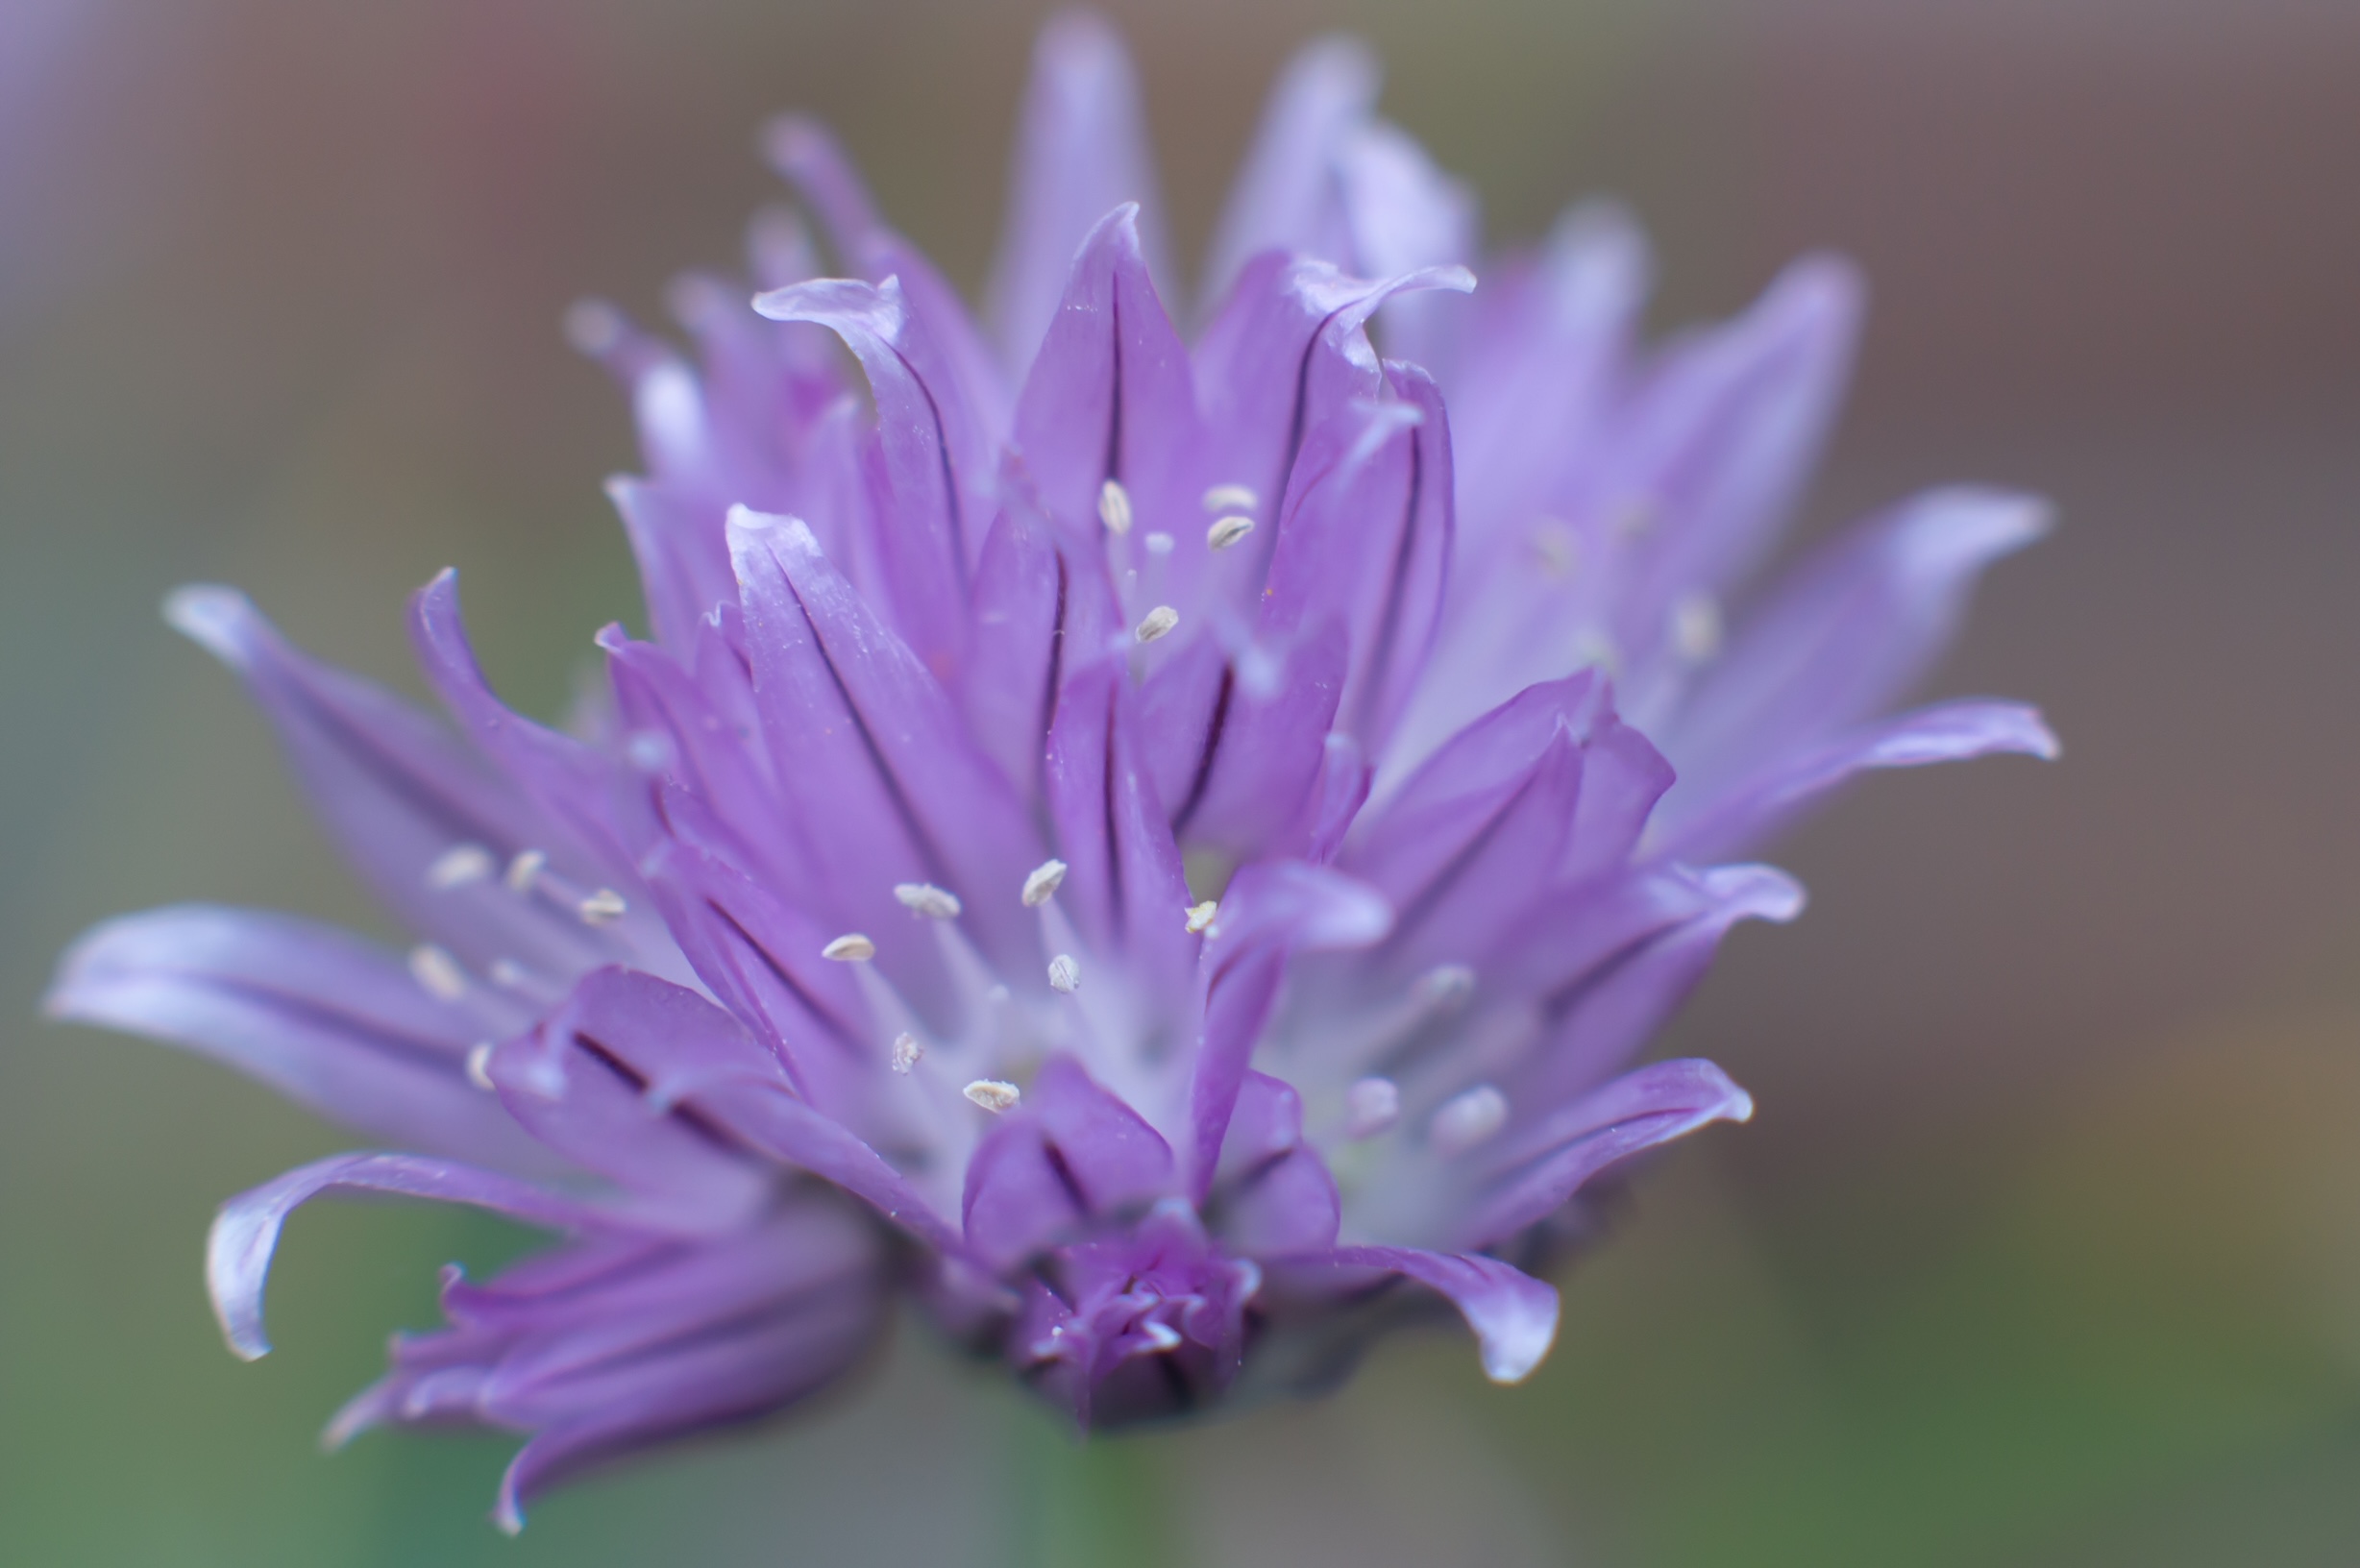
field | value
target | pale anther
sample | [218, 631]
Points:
[905, 1053]
[438, 972]
[1696, 628]
[1156, 623]
[1158, 543]
[1201, 916]
[526, 869]
[1115, 507]
[1466, 1120]
[480, 1066]
[1042, 881]
[508, 972]
[1160, 1336]
[1229, 498]
[927, 899]
[1065, 975]
[603, 907]
[1371, 1106]
[459, 866]
[1228, 530]
[1445, 985]
[993, 1094]
[850, 948]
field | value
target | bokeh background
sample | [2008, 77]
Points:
[2045, 1246]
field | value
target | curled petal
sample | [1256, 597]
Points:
[1513, 1315]
[245, 1232]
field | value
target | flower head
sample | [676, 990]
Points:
[1165, 849]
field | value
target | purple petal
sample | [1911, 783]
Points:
[1753, 809]
[1238, 741]
[603, 1080]
[1124, 888]
[675, 538]
[1284, 198]
[1513, 1315]
[1403, 212]
[1272, 1194]
[1727, 427]
[1081, 152]
[1111, 397]
[1620, 978]
[395, 790]
[805, 153]
[322, 1018]
[1848, 632]
[934, 457]
[864, 741]
[238, 1253]
[1270, 910]
[1537, 1169]
[1072, 1152]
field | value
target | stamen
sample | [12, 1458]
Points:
[1595, 650]
[1696, 628]
[1466, 1120]
[1371, 1106]
[1042, 881]
[1229, 498]
[993, 1094]
[603, 907]
[1228, 530]
[850, 948]
[927, 899]
[507, 973]
[1445, 985]
[459, 866]
[905, 1053]
[1115, 507]
[1065, 975]
[1558, 550]
[1157, 623]
[1158, 543]
[650, 752]
[438, 972]
[526, 869]
[480, 1066]
[1160, 1336]
[1201, 916]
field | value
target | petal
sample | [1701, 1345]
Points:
[933, 459]
[1272, 1194]
[1537, 1168]
[1238, 741]
[1620, 978]
[1124, 888]
[1071, 1153]
[322, 1018]
[1753, 809]
[395, 790]
[238, 1253]
[675, 538]
[1513, 1315]
[603, 1082]
[1270, 910]
[1726, 429]
[864, 742]
[1403, 212]
[1848, 632]
[1081, 152]
[1284, 198]
[804, 152]
[1110, 397]
[1369, 541]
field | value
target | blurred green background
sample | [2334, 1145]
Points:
[2045, 1246]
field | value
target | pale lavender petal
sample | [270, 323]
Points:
[1285, 198]
[1513, 1315]
[325, 1019]
[245, 1234]
[1081, 152]
[1850, 630]
[1753, 809]
[1403, 212]
[1535, 1169]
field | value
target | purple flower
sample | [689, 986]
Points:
[1165, 851]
